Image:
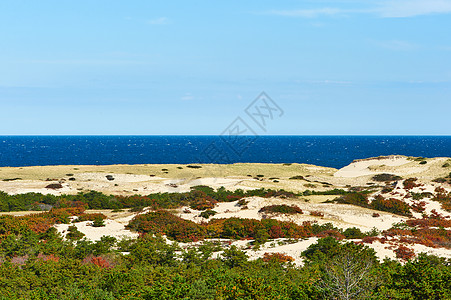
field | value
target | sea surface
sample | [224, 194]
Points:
[329, 151]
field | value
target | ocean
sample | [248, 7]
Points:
[329, 151]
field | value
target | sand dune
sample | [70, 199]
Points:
[146, 179]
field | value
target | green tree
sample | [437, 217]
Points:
[74, 234]
[98, 222]
[348, 271]
[426, 277]
[233, 257]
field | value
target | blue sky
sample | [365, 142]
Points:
[191, 67]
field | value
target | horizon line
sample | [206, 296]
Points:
[218, 135]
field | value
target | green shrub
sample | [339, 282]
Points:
[74, 234]
[353, 233]
[359, 199]
[98, 222]
[391, 205]
[282, 208]
[12, 179]
[386, 177]
[193, 167]
[234, 257]
[163, 222]
[440, 180]
[208, 213]
[410, 183]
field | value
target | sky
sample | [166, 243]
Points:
[351, 67]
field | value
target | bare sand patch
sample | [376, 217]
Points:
[363, 167]
[340, 215]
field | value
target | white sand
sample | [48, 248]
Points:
[114, 228]
[293, 250]
[362, 167]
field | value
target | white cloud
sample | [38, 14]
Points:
[326, 82]
[187, 97]
[159, 21]
[84, 62]
[308, 13]
[397, 45]
[381, 8]
[412, 8]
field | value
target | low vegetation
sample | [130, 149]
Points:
[44, 266]
[282, 209]
[200, 198]
[181, 230]
[37, 263]
[386, 177]
[391, 205]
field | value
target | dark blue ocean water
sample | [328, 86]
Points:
[330, 151]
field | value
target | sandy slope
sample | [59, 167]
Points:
[363, 167]
[133, 179]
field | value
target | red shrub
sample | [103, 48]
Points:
[410, 183]
[19, 260]
[418, 206]
[203, 203]
[370, 239]
[163, 222]
[395, 232]
[50, 257]
[317, 213]
[332, 233]
[233, 198]
[435, 215]
[404, 253]
[280, 194]
[276, 232]
[98, 261]
[443, 197]
[426, 222]
[39, 224]
[277, 257]
[391, 205]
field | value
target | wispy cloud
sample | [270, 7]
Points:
[187, 97]
[412, 8]
[325, 82]
[159, 21]
[307, 13]
[83, 62]
[380, 8]
[397, 45]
